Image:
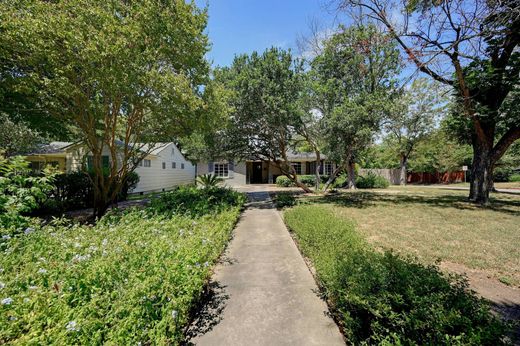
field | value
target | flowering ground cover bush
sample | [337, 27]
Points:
[189, 200]
[384, 298]
[130, 279]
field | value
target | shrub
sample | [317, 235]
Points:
[384, 298]
[309, 180]
[20, 193]
[131, 279]
[192, 201]
[209, 180]
[502, 174]
[371, 181]
[514, 178]
[284, 199]
[283, 181]
[75, 191]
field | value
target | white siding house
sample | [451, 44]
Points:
[163, 169]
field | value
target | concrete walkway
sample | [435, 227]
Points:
[263, 292]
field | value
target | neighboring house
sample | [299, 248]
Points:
[162, 169]
[261, 171]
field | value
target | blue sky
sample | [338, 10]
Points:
[242, 26]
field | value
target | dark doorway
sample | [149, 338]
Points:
[256, 177]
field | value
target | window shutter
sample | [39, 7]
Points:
[322, 163]
[210, 167]
[231, 169]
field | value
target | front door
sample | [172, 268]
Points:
[256, 178]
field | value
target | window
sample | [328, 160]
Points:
[182, 165]
[147, 163]
[174, 165]
[164, 165]
[328, 168]
[221, 169]
[297, 167]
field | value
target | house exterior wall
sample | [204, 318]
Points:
[157, 178]
[237, 175]
[153, 178]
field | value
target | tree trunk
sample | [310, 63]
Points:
[351, 172]
[332, 177]
[403, 169]
[481, 180]
[317, 172]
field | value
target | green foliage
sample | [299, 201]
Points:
[209, 180]
[131, 279]
[75, 191]
[283, 181]
[20, 192]
[16, 137]
[119, 73]
[266, 94]
[188, 200]
[514, 178]
[371, 181]
[384, 298]
[284, 199]
[354, 82]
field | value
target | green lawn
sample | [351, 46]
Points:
[437, 224]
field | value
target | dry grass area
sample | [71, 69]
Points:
[436, 224]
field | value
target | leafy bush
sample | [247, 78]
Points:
[502, 174]
[385, 298]
[131, 279]
[514, 178]
[309, 180]
[283, 181]
[192, 201]
[371, 181]
[284, 199]
[209, 180]
[20, 193]
[75, 191]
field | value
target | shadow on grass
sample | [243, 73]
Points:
[510, 312]
[365, 199]
[208, 313]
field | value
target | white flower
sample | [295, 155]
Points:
[104, 242]
[42, 271]
[2, 285]
[77, 244]
[6, 237]
[12, 318]
[197, 265]
[204, 241]
[28, 230]
[33, 287]
[79, 258]
[174, 314]
[7, 301]
[206, 264]
[72, 326]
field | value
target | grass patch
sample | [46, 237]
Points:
[434, 224]
[384, 298]
[130, 279]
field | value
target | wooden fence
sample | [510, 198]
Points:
[393, 176]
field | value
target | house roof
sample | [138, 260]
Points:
[51, 148]
[61, 147]
[295, 156]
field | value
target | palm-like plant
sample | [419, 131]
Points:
[209, 180]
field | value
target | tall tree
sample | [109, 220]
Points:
[354, 83]
[414, 118]
[471, 46]
[124, 74]
[267, 113]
